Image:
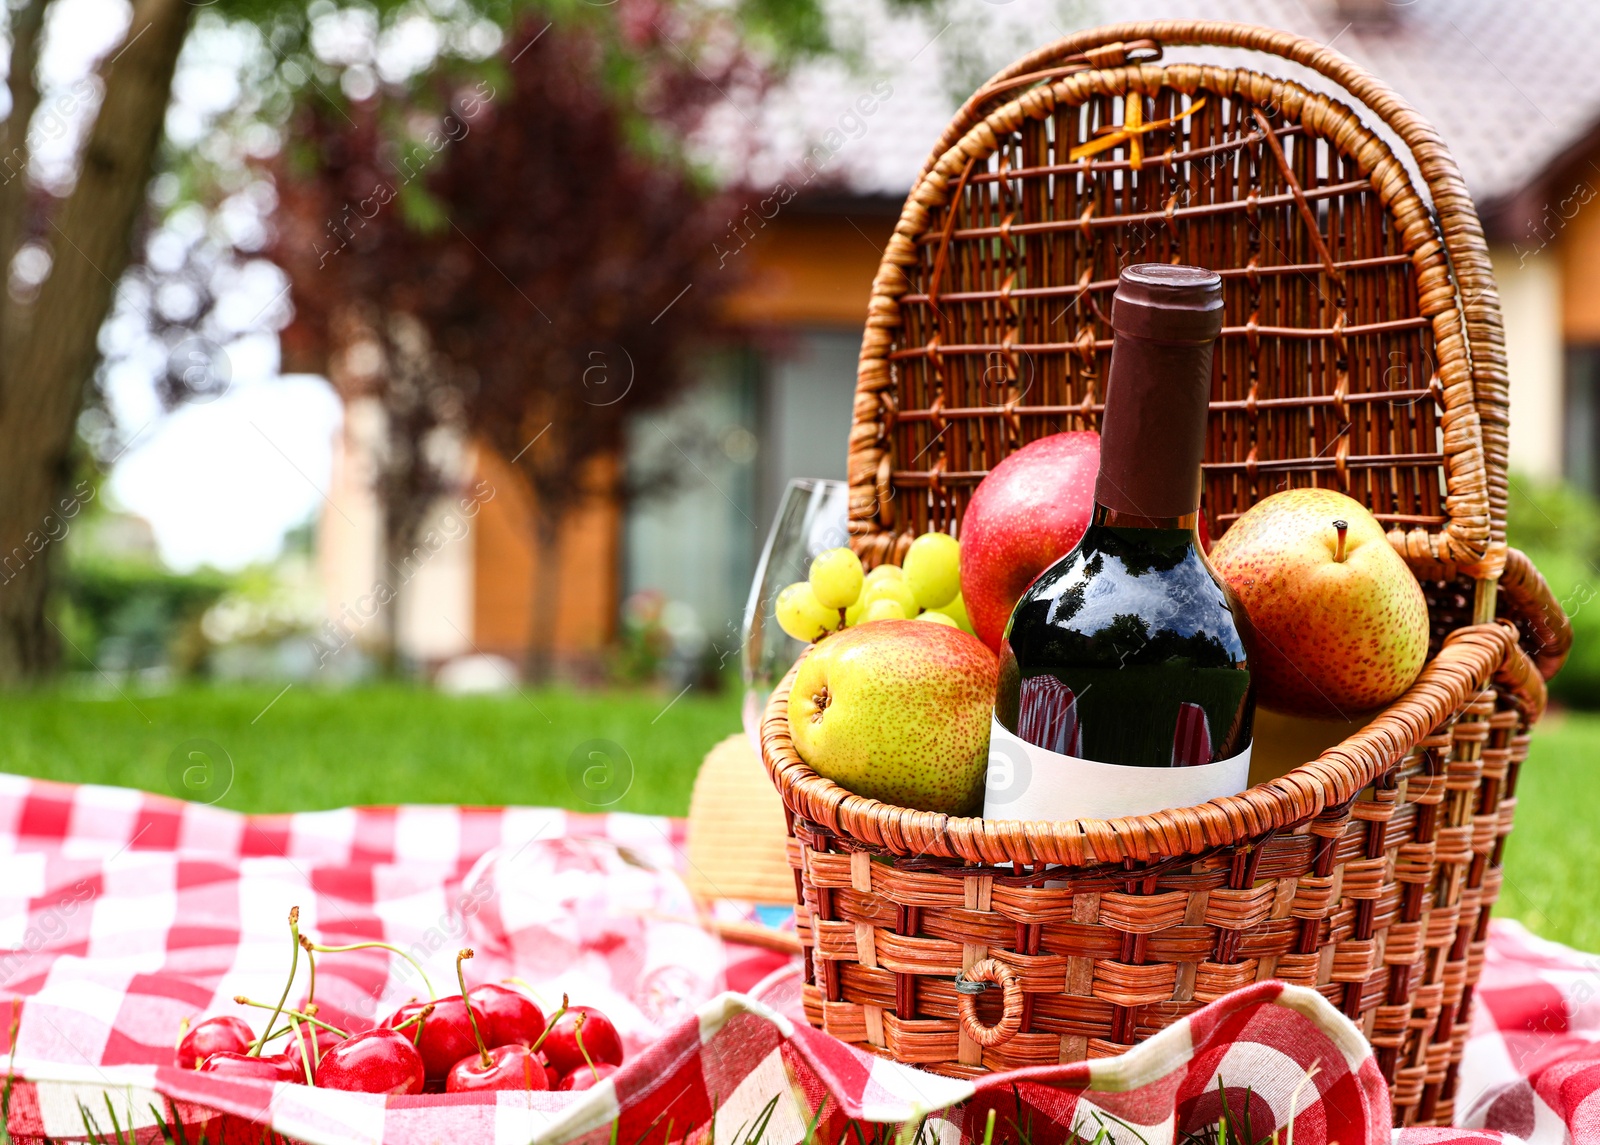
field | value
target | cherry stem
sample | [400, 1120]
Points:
[1340, 527]
[389, 946]
[286, 1031]
[183, 1032]
[577, 1034]
[550, 1025]
[294, 967]
[472, 1019]
[300, 1039]
[311, 990]
[419, 1017]
[301, 1014]
[411, 1021]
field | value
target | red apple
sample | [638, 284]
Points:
[1024, 516]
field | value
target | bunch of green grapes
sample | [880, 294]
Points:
[838, 593]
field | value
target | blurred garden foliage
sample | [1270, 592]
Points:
[116, 265]
[506, 258]
[129, 616]
[122, 613]
[1559, 527]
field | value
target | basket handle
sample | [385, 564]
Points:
[1112, 45]
[971, 983]
[1527, 600]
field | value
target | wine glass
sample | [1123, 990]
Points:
[812, 518]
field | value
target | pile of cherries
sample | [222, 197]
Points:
[491, 1037]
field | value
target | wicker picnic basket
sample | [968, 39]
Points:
[1362, 350]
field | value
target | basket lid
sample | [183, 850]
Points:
[1361, 345]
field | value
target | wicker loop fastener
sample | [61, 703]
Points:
[983, 976]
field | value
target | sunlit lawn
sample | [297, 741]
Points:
[1552, 877]
[314, 749]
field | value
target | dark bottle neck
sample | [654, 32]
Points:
[1107, 517]
[1153, 432]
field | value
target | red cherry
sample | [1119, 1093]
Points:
[510, 1067]
[325, 1041]
[553, 1076]
[446, 1034]
[599, 1038]
[584, 1078]
[373, 1061]
[273, 1067]
[214, 1036]
[512, 1016]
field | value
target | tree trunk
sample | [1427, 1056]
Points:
[404, 553]
[409, 482]
[539, 664]
[397, 549]
[26, 24]
[48, 354]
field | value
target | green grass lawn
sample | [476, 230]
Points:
[312, 749]
[1552, 876]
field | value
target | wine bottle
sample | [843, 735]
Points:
[1124, 683]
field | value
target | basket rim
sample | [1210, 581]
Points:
[1471, 659]
[1466, 325]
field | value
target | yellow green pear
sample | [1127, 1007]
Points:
[1339, 623]
[898, 710]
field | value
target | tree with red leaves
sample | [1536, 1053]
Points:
[537, 261]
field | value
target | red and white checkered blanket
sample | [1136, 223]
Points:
[122, 913]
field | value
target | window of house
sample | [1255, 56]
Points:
[1581, 453]
[711, 468]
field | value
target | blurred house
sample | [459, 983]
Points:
[849, 143]
[758, 416]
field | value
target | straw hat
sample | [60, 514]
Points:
[738, 842]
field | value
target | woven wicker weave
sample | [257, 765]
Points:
[1365, 878]
[1361, 351]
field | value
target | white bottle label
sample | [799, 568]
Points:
[1026, 781]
